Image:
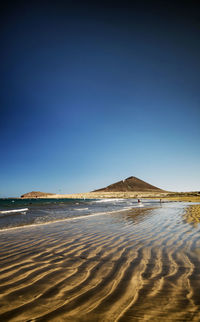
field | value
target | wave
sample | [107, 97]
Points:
[140, 205]
[13, 211]
[109, 200]
[103, 213]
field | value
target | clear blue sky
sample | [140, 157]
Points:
[94, 92]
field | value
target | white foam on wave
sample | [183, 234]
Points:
[109, 200]
[68, 219]
[81, 209]
[13, 211]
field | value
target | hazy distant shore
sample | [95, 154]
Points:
[185, 196]
[97, 195]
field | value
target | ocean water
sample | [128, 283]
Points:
[23, 212]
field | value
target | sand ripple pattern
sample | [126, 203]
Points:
[139, 265]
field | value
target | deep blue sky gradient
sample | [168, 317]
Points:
[92, 93]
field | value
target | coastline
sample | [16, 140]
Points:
[171, 196]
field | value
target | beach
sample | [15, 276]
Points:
[172, 196]
[129, 263]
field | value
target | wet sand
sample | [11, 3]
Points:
[139, 265]
[192, 214]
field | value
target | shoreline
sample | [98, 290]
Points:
[104, 269]
[100, 195]
[190, 197]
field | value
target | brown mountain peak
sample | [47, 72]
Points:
[130, 184]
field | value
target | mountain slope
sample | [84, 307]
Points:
[130, 184]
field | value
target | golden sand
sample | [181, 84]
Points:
[131, 266]
[191, 197]
[96, 195]
[183, 198]
[193, 214]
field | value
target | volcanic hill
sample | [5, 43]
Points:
[130, 184]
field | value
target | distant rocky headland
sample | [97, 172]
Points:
[37, 194]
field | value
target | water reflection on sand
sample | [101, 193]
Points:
[142, 264]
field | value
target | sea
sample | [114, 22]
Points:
[16, 213]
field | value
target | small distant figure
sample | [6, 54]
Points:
[138, 201]
[160, 200]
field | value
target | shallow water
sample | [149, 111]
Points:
[139, 264]
[25, 212]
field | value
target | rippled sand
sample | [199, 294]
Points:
[192, 214]
[142, 265]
